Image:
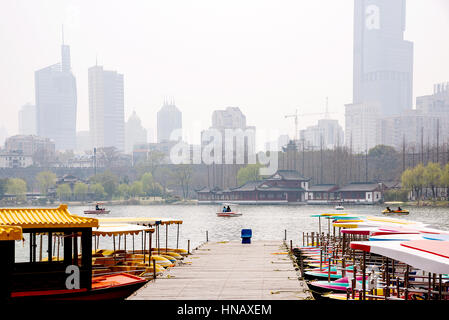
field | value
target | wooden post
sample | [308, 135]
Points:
[158, 240]
[285, 236]
[207, 236]
[154, 270]
[303, 243]
[144, 247]
[150, 235]
[406, 282]
[133, 244]
[177, 236]
[188, 246]
[166, 238]
[291, 245]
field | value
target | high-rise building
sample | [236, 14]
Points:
[383, 70]
[56, 102]
[362, 123]
[134, 133]
[106, 108]
[234, 146]
[27, 120]
[169, 119]
[383, 60]
[327, 134]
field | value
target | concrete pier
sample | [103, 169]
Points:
[230, 271]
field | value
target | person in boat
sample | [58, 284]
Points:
[97, 207]
[224, 209]
[388, 209]
[399, 209]
[228, 209]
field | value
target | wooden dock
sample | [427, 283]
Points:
[230, 271]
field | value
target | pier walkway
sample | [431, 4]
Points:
[230, 271]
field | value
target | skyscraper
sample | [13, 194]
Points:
[56, 102]
[169, 119]
[134, 133]
[383, 68]
[383, 60]
[27, 120]
[106, 108]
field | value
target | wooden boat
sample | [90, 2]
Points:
[109, 287]
[69, 277]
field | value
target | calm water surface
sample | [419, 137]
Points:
[267, 222]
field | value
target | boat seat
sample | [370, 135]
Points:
[246, 235]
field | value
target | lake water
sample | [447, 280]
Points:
[266, 222]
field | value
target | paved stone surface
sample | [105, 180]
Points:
[230, 271]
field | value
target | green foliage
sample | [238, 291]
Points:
[80, 191]
[45, 180]
[123, 190]
[97, 191]
[249, 173]
[108, 180]
[432, 176]
[17, 187]
[64, 192]
[136, 189]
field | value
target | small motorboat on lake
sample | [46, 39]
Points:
[227, 212]
[97, 210]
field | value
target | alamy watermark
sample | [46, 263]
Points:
[226, 146]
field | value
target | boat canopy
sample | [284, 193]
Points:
[119, 229]
[44, 218]
[10, 233]
[142, 221]
[428, 255]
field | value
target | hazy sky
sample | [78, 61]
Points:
[267, 57]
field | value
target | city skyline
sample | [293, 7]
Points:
[196, 99]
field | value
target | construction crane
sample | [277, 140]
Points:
[296, 116]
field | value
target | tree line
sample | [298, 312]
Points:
[427, 181]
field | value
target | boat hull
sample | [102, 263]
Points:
[96, 211]
[228, 214]
[101, 292]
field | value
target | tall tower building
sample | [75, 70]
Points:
[383, 66]
[383, 60]
[56, 102]
[106, 108]
[27, 120]
[169, 119]
[135, 133]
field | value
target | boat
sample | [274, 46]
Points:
[396, 212]
[69, 277]
[339, 207]
[97, 210]
[233, 213]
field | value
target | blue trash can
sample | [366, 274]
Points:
[246, 235]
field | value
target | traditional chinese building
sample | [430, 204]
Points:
[284, 187]
[362, 193]
[323, 194]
